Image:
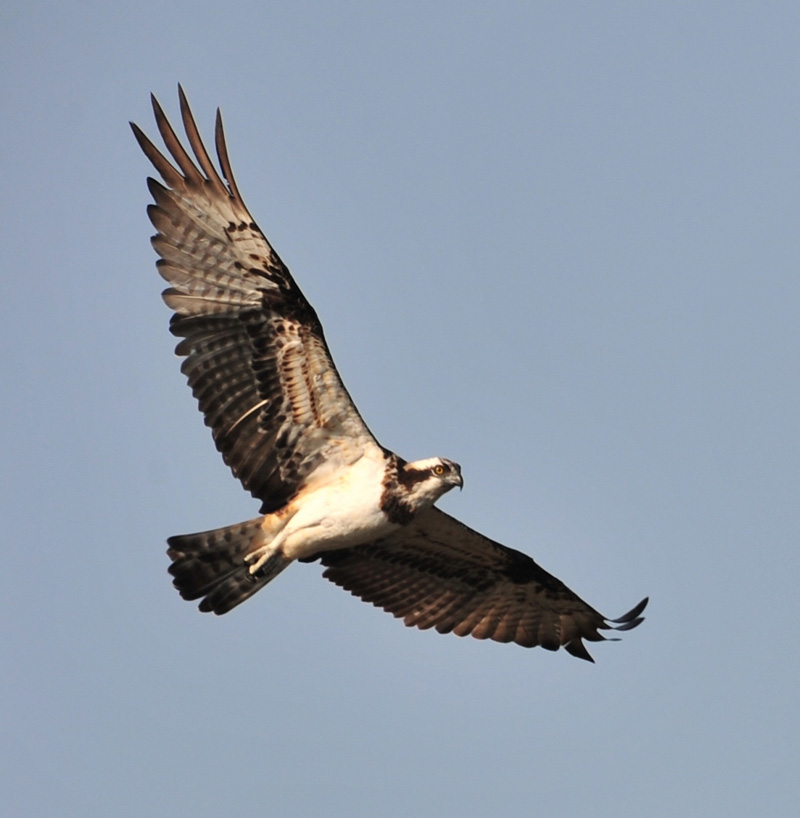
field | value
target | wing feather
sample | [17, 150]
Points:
[437, 572]
[255, 354]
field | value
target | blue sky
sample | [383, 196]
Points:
[557, 243]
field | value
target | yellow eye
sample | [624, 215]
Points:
[438, 470]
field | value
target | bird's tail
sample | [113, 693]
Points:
[211, 565]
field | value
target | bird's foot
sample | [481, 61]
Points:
[259, 557]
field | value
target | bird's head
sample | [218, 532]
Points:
[427, 480]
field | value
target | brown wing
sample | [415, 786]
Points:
[256, 357]
[438, 573]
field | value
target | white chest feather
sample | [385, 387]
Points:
[343, 512]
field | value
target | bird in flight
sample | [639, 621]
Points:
[256, 360]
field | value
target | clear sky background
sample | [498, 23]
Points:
[556, 242]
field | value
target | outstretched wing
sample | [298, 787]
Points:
[256, 357]
[438, 573]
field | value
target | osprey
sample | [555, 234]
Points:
[256, 359]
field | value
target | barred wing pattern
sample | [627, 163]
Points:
[256, 357]
[438, 573]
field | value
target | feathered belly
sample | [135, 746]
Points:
[340, 514]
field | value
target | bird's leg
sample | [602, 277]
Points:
[258, 557]
[269, 566]
[273, 530]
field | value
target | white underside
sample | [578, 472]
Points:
[339, 513]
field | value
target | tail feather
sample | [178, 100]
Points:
[210, 565]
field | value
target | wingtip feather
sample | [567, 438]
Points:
[577, 649]
[222, 155]
[632, 615]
